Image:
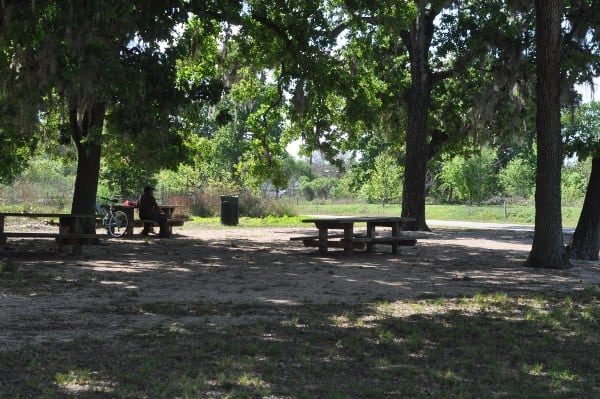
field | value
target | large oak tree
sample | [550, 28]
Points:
[548, 249]
[582, 137]
[92, 61]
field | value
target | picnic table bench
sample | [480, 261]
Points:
[70, 229]
[350, 240]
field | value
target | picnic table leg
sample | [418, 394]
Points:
[370, 234]
[70, 225]
[396, 231]
[129, 211]
[2, 238]
[323, 232]
[348, 234]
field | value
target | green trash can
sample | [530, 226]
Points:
[230, 210]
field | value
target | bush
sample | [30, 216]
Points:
[254, 206]
[45, 185]
[183, 202]
[250, 205]
[204, 203]
[207, 203]
[278, 208]
[518, 177]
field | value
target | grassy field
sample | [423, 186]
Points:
[490, 345]
[496, 214]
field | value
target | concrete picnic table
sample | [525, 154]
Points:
[349, 239]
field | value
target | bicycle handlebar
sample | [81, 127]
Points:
[113, 200]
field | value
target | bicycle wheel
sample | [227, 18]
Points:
[117, 225]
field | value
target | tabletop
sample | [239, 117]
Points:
[357, 219]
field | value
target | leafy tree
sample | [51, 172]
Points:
[433, 96]
[517, 178]
[343, 188]
[317, 189]
[101, 62]
[16, 146]
[45, 183]
[294, 42]
[574, 179]
[548, 249]
[471, 178]
[582, 137]
[385, 182]
[579, 57]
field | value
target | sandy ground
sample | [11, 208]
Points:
[58, 296]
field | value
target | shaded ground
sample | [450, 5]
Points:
[245, 313]
[58, 297]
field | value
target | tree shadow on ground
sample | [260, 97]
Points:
[455, 316]
[545, 348]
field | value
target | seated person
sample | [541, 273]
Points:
[149, 210]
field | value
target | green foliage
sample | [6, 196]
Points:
[517, 178]
[257, 207]
[227, 100]
[296, 168]
[385, 183]
[471, 179]
[183, 180]
[16, 144]
[46, 183]
[581, 131]
[574, 180]
[14, 154]
[121, 173]
[317, 189]
[343, 188]
[100, 71]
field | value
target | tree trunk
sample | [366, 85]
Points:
[86, 130]
[418, 41]
[548, 249]
[585, 244]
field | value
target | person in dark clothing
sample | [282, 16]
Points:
[149, 210]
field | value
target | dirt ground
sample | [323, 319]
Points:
[57, 296]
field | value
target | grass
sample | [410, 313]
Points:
[270, 221]
[489, 345]
[495, 214]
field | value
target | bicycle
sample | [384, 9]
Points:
[115, 222]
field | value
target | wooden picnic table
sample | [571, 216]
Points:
[70, 228]
[349, 239]
[169, 210]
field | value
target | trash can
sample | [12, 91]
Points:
[230, 210]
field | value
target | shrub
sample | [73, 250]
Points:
[278, 208]
[518, 177]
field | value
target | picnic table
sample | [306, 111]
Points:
[132, 222]
[168, 210]
[70, 228]
[349, 239]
